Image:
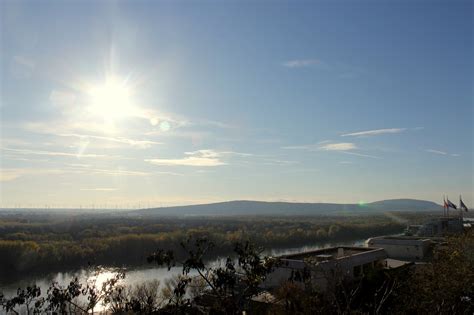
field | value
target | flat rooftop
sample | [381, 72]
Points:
[330, 253]
[403, 239]
[396, 263]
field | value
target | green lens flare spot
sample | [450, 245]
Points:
[362, 203]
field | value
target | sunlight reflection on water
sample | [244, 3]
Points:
[136, 276]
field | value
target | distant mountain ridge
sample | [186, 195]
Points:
[247, 207]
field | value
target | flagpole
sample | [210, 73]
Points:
[447, 208]
[444, 206]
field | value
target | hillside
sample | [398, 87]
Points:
[245, 207]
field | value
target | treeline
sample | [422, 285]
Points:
[48, 245]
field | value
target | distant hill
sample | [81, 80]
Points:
[405, 205]
[245, 207]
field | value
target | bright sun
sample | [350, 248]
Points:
[111, 100]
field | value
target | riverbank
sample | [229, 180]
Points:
[133, 274]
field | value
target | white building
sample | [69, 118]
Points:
[321, 267]
[403, 247]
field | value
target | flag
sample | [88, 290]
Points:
[445, 204]
[462, 205]
[451, 205]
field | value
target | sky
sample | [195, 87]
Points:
[155, 103]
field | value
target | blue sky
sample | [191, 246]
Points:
[163, 103]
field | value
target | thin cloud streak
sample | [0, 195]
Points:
[10, 174]
[98, 189]
[374, 132]
[436, 152]
[117, 172]
[206, 158]
[14, 173]
[278, 162]
[300, 63]
[307, 147]
[342, 146]
[53, 153]
[85, 169]
[442, 152]
[187, 161]
[7, 175]
[136, 143]
[200, 158]
[361, 155]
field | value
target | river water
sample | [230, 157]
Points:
[135, 275]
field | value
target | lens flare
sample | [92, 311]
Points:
[165, 126]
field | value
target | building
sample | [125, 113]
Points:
[407, 248]
[419, 240]
[441, 227]
[322, 267]
[437, 227]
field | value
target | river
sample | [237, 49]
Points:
[135, 275]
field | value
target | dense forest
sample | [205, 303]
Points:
[35, 242]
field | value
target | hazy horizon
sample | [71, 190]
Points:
[150, 206]
[174, 103]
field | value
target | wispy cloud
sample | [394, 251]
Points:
[278, 162]
[10, 174]
[136, 143]
[87, 169]
[242, 154]
[200, 158]
[439, 152]
[213, 123]
[55, 153]
[168, 173]
[14, 157]
[117, 172]
[98, 189]
[342, 146]
[299, 170]
[205, 158]
[306, 147]
[323, 145]
[362, 155]
[300, 63]
[374, 132]
[436, 151]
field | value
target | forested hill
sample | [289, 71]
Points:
[244, 207]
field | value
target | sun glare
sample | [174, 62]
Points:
[111, 100]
